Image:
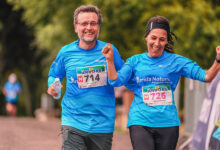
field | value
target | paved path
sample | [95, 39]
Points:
[31, 134]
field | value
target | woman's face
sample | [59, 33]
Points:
[156, 41]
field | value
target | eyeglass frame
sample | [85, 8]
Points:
[85, 24]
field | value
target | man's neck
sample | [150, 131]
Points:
[85, 45]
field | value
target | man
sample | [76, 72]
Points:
[11, 90]
[88, 105]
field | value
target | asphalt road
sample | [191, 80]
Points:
[32, 134]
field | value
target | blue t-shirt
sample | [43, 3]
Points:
[92, 108]
[153, 81]
[12, 91]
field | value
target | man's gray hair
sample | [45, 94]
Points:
[87, 8]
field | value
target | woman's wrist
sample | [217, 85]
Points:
[217, 60]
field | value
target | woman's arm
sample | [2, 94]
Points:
[120, 77]
[107, 51]
[213, 70]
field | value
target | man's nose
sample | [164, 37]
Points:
[89, 26]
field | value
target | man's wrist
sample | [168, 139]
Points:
[217, 60]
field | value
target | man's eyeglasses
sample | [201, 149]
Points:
[85, 24]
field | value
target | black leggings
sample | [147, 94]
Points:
[147, 138]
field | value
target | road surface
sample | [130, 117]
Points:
[32, 134]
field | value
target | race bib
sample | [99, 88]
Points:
[91, 76]
[157, 95]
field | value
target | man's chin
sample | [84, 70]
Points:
[89, 40]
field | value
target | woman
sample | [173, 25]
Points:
[153, 76]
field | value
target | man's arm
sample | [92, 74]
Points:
[4, 91]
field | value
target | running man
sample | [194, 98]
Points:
[88, 105]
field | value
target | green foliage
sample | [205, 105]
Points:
[20, 54]
[196, 23]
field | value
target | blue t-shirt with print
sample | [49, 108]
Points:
[12, 91]
[88, 103]
[153, 81]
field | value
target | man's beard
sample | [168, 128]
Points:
[90, 41]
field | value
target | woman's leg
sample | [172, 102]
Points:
[141, 138]
[166, 138]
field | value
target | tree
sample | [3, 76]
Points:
[19, 54]
[196, 24]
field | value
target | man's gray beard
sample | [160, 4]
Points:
[89, 42]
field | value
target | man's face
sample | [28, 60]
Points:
[87, 27]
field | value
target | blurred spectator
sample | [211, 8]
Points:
[11, 90]
[123, 101]
[215, 138]
[118, 95]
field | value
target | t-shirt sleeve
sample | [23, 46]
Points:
[19, 87]
[5, 85]
[124, 74]
[192, 70]
[57, 69]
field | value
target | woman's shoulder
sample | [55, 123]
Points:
[177, 58]
[136, 57]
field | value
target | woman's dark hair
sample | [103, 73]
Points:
[163, 23]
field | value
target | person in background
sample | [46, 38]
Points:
[88, 105]
[11, 91]
[152, 77]
[123, 98]
[214, 143]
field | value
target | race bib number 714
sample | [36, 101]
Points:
[91, 76]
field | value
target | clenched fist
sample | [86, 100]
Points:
[107, 51]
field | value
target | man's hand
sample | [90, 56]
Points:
[107, 51]
[51, 90]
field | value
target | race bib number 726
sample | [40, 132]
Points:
[157, 95]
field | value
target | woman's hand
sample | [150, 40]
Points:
[213, 70]
[107, 51]
[218, 52]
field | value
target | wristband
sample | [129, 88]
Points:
[217, 60]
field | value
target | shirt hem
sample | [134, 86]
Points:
[153, 125]
[88, 130]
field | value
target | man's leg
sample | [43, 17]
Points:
[73, 139]
[11, 109]
[99, 141]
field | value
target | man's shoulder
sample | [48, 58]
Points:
[102, 44]
[69, 46]
[6, 83]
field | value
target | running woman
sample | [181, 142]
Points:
[153, 76]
